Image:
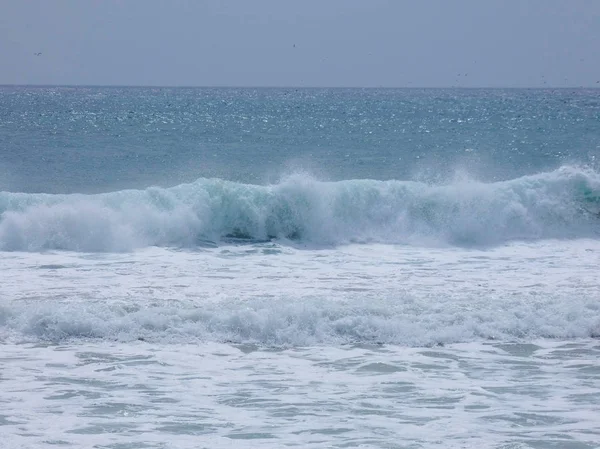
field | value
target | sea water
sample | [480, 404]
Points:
[210, 268]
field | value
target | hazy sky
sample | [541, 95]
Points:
[301, 43]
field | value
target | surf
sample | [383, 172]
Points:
[302, 210]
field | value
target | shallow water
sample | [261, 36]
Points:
[539, 395]
[184, 268]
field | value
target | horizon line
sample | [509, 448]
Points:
[223, 86]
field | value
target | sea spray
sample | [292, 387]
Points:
[557, 204]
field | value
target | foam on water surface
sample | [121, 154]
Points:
[558, 204]
[269, 294]
[107, 395]
[312, 268]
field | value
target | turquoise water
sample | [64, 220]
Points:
[466, 167]
[184, 268]
[65, 140]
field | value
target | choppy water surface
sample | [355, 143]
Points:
[542, 394]
[184, 268]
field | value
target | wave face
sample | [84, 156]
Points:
[558, 204]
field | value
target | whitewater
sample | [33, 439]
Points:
[560, 204]
[184, 268]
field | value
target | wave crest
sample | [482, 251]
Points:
[561, 204]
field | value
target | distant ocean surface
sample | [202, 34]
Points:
[331, 268]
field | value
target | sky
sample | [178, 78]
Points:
[337, 43]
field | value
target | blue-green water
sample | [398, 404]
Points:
[184, 268]
[64, 140]
[325, 166]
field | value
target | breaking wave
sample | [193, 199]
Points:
[564, 203]
[308, 322]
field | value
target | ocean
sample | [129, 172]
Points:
[311, 268]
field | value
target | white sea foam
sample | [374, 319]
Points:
[559, 204]
[102, 394]
[270, 294]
